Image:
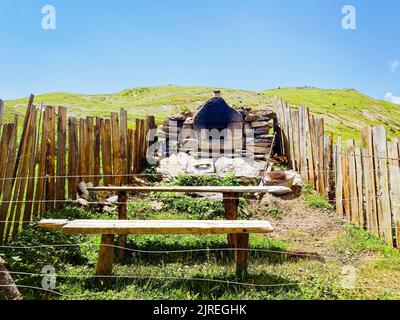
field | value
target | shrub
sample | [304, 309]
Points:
[206, 180]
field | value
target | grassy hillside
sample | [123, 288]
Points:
[157, 101]
[345, 111]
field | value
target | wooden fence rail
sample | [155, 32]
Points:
[55, 152]
[363, 182]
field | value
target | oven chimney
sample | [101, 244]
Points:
[217, 94]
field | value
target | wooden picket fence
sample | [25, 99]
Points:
[363, 183]
[56, 152]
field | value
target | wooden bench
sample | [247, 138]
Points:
[109, 228]
[231, 196]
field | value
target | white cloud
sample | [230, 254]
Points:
[394, 65]
[391, 98]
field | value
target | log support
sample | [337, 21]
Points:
[122, 215]
[242, 254]
[231, 205]
[106, 255]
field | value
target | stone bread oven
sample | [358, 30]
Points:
[219, 127]
[216, 129]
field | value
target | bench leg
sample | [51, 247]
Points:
[106, 255]
[231, 205]
[122, 215]
[242, 255]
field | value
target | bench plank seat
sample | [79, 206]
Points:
[158, 226]
[108, 228]
[184, 189]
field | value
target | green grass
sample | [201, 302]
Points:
[185, 267]
[313, 199]
[180, 206]
[345, 111]
[356, 240]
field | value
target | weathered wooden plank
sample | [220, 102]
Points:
[136, 150]
[51, 161]
[353, 182]
[282, 124]
[293, 134]
[9, 180]
[310, 152]
[296, 135]
[116, 149]
[90, 149]
[30, 189]
[339, 178]
[4, 144]
[41, 111]
[124, 144]
[73, 157]
[165, 226]
[27, 143]
[106, 151]
[320, 157]
[24, 131]
[289, 129]
[384, 209]
[394, 173]
[346, 184]
[303, 142]
[61, 154]
[143, 144]
[315, 151]
[369, 181]
[52, 224]
[1, 114]
[329, 167]
[38, 207]
[82, 149]
[151, 124]
[97, 148]
[360, 186]
[190, 189]
[130, 150]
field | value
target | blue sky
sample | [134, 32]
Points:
[106, 46]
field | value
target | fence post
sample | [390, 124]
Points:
[4, 149]
[116, 149]
[339, 178]
[353, 182]
[97, 158]
[360, 189]
[9, 182]
[61, 154]
[106, 151]
[384, 209]
[89, 149]
[1, 114]
[23, 170]
[73, 157]
[51, 161]
[394, 169]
